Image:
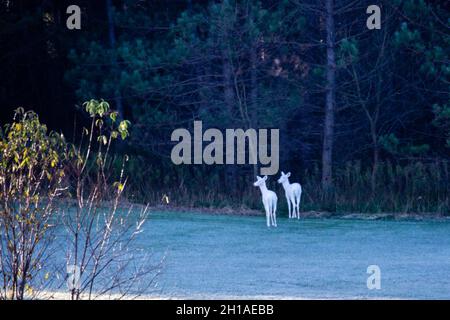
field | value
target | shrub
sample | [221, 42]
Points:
[31, 177]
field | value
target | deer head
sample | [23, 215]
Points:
[260, 181]
[284, 177]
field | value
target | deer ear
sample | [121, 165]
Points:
[258, 177]
[265, 178]
[282, 173]
[288, 174]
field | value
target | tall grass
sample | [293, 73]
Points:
[412, 188]
[416, 187]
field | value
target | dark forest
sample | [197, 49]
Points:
[363, 114]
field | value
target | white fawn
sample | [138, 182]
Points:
[269, 199]
[293, 194]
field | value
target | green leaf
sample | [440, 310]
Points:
[113, 116]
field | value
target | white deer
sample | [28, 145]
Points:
[269, 199]
[293, 194]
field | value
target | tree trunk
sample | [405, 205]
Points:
[228, 90]
[229, 99]
[373, 131]
[112, 44]
[254, 97]
[328, 128]
[376, 156]
[375, 167]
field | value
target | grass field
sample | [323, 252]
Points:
[217, 256]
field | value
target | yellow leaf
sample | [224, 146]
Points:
[28, 289]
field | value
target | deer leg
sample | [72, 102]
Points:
[270, 213]
[289, 206]
[294, 214]
[266, 208]
[274, 214]
[298, 205]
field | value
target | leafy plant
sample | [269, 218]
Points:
[31, 179]
[101, 228]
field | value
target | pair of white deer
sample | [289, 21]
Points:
[269, 198]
